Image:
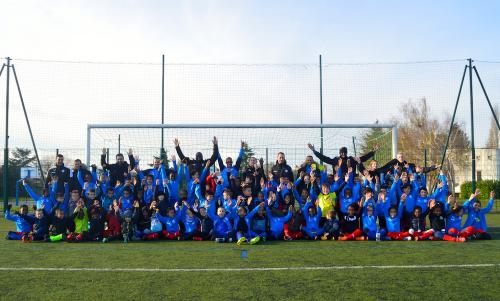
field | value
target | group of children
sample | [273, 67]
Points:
[242, 203]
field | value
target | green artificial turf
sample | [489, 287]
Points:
[465, 283]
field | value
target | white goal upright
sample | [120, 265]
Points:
[264, 140]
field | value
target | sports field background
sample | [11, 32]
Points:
[400, 282]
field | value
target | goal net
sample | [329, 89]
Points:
[264, 141]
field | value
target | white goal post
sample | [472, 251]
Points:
[299, 135]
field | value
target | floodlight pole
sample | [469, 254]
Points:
[162, 150]
[471, 91]
[6, 149]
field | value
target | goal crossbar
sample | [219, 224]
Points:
[242, 126]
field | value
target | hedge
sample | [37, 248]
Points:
[484, 186]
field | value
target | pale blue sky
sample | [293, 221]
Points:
[250, 31]
[241, 32]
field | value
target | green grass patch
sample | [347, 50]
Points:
[476, 283]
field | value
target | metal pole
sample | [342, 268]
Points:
[267, 160]
[28, 122]
[354, 145]
[162, 102]
[321, 102]
[394, 141]
[119, 143]
[89, 137]
[453, 119]
[487, 98]
[6, 149]
[471, 91]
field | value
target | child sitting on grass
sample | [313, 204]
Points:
[81, 220]
[331, 227]
[350, 227]
[59, 226]
[475, 225]
[222, 230]
[23, 220]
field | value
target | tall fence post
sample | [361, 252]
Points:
[473, 148]
[6, 149]
[267, 160]
[321, 102]
[394, 141]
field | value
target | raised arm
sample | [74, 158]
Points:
[215, 152]
[104, 164]
[322, 157]
[30, 191]
[240, 155]
[179, 151]
[490, 203]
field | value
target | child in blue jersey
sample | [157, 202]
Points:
[126, 200]
[107, 199]
[241, 223]
[23, 220]
[149, 188]
[277, 221]
[369, 221]
[88, 181]
[331, 227]
[171, 222]
[393, 220]
[258, 223]
[229, 170]
[312, 216]
[191, 224]
[222, 228]
[46, 200]
[475, 224]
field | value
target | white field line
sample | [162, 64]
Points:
[299, 268]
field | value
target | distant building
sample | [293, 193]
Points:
[487, 167]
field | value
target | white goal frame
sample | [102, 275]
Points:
[242, 126]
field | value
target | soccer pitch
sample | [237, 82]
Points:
[300, 270]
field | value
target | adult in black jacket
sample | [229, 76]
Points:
[353, 162]
[281, 169]
[254, 172]
[59, 172]
[119, 170]
[197, 163]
